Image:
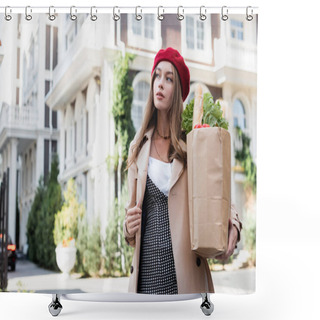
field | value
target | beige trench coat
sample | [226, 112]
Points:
[192, 271]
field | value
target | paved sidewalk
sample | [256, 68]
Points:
[29, 277]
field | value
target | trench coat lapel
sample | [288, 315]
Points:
[177, 169]
[142, 165]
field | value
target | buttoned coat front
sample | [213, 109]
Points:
[192, 271]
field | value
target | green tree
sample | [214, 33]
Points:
[245, 159]
[89, 255]
[33, 219]
[118, 254]
[67, 219]
[46, 204]
[124, 133]
[121, 111]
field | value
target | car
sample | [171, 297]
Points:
[12, 256]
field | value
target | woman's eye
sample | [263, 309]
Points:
[169, 79]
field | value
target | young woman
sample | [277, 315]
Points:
[157, 218]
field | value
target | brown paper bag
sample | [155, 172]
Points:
[209, 189]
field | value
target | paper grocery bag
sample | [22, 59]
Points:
[209, 189]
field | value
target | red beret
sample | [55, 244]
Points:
[176, 59]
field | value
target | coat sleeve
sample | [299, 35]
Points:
[132, 189]
[235, 220]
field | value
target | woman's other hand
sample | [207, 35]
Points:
[133, 219]
[232, 242]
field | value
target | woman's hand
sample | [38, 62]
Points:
[233, 238]
[133, 219]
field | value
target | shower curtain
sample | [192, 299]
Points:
[73, 91]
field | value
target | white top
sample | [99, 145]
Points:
[160, 174]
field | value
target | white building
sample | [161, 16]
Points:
[28, 128]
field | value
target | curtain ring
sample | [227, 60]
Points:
[8, 17]
[52, 16]
[224, 17]
[249, 17]
[93, 16]
[179, 15]
[160, 16]
[73, 16]
[203, 15]
[116, 17]
[28, 17]
[138, 16]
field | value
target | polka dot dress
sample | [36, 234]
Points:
[157, 271]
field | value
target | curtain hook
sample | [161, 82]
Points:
[249, 17]
[73, 16]
[8, 17]
[203, 15]
[224, 17]
[52, 16]
[160, 16]
[179, 15]
[93, 16]
[116, 17]
[28, 17]
[138, 16]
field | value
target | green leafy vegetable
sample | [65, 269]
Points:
[212, 114]
[187, 117]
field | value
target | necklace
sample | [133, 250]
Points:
[158, 152]
[164, 137]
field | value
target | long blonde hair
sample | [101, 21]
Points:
[150, 120]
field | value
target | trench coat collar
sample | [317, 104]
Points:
[143, 160]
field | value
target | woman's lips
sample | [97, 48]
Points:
[159, 96]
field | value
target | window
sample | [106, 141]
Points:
[72, 28]
[51, 47]
[194, 33]
[18, 63]
[54, 120]
[144, 33]
[46, 159]
[137, 27]
[190, 97]
[144, 27]
[140, 96]
[17, 96]
[239, 116]
[55, 47]
[149, 26]
[48, 39]
[46, 108]
[196, 40]
[190, 33]
[54, 147]
[236, 29]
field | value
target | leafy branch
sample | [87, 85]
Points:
[245, 159]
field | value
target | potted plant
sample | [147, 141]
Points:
[66, 229]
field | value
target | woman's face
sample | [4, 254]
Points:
[163, 85]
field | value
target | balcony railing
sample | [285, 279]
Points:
[18, 117]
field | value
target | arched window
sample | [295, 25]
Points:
[140, 96]
[239, 115]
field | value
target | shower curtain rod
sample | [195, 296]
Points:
[126, 9]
